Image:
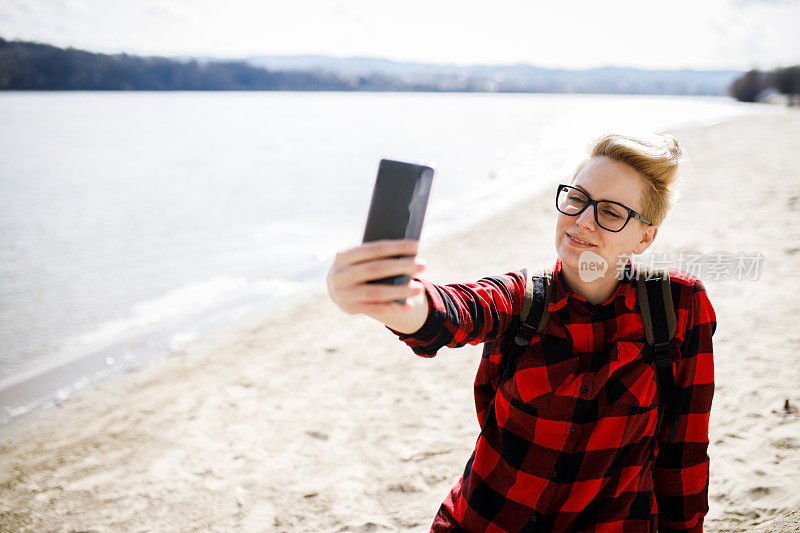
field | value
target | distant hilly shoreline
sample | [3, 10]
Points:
[37, 66]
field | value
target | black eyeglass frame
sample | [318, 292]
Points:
[590, 202]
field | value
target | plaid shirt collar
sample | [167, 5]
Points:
[562, 293]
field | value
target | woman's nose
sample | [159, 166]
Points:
[586, 219]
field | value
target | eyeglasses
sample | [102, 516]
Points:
[611, 216]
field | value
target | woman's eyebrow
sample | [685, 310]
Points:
[590, 196]
[584, 190]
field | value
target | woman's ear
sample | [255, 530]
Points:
[647, 239]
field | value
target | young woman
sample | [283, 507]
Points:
[571, 440]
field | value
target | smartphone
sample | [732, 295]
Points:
[397, 209]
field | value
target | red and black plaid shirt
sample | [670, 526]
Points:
[573, 440]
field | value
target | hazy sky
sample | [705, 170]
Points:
[717, 34]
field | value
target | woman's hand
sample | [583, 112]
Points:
[354, 267]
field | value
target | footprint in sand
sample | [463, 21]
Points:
[780, 497]
[405, 488]
[787, 443]
[368, 527]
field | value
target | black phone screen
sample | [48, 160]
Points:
[399, 202]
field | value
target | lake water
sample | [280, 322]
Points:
[132, 222]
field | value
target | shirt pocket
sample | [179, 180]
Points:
[544, 365]
[632, 380]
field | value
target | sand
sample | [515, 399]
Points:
[314, 420]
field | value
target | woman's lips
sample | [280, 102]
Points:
[578, 244]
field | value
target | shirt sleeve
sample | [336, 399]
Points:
[466, 313]
[681, 472]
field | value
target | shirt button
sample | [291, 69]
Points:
[584, 389]
[573, 429]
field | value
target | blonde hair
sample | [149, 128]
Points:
[656, 161]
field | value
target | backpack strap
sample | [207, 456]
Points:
[533, 317]
[660, 324]
[534, 313]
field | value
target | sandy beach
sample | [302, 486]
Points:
[313, 420]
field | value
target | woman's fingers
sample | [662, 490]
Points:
[382, 268]
[380, 293]
[354, 267]
[376, 250]
[372, 297]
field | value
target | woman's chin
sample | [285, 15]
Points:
[569, 258]
[582, 259]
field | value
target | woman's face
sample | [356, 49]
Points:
[603, 179]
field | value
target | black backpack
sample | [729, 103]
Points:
[655, 297]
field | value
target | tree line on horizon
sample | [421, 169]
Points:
[754, 84]
[39, 66]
